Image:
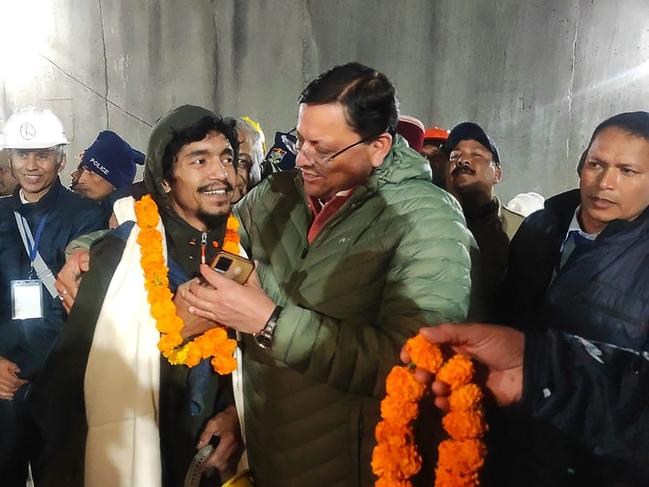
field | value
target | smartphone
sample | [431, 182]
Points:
[233, 266]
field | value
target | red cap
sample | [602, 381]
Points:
[436, 133]
[412, 130]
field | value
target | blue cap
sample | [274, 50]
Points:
[112, 158]
[472, 131]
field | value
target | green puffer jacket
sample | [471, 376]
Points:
[394, 258]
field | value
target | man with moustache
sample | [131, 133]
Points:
[473, 171]
[36, 223]
[113, 411]
[355, 251]
[579, 267]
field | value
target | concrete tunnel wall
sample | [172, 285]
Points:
[538, 75]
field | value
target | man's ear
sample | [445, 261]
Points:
[166, 187]
[379, 148]
[499, 173]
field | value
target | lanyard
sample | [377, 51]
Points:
[33, 242]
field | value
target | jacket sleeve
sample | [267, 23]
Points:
[594, 391]
[427, 282]
[88, 221]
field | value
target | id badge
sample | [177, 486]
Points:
[26, 299]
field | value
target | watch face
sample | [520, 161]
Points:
[263, 340]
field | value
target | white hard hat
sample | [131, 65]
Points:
[526, 203]
[33, 128]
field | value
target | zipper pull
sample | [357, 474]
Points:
[203, 246]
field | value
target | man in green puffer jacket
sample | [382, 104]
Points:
[355, 252]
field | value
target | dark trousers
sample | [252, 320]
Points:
[19, 443]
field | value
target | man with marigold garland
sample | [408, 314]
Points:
[112, 410]
[355, 251]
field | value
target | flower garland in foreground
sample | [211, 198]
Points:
[214, 342]
[395, 459]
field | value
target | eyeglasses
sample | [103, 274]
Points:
[320, 159]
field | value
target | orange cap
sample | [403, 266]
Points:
[436, 133]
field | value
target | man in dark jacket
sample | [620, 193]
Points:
[473, 171]
[546, 374]
[190, 173]
[578, 266]
[36, 224]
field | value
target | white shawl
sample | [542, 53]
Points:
[123, 378]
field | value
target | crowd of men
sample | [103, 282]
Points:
[365, 229]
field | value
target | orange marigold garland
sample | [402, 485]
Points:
[395, 459]
[214, 342]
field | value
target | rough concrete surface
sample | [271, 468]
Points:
[537, 74]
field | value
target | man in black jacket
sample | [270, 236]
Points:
[36, 224]
[579, 266]
[545, 374]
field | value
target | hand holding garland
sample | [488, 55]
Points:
[395, 459]
[499, 348]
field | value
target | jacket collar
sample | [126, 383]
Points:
[46, 203]
[400, 164]
[563, 206]
[624, 229]
[185, 240]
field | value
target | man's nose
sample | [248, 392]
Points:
[83, 177]
[301, 159]
[31, 162]
[464, 160]
[217, 170]
[608, 179]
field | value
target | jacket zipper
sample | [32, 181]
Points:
[203, 246]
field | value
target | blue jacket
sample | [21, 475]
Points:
[27, 342]
[602, 296]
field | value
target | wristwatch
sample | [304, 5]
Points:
[264, 337]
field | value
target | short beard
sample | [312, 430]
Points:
[212, 222]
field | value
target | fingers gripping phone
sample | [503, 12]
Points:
[233, 266]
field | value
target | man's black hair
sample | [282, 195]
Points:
[635, 123]
[196, 133]
[582, 161]
[369, 99]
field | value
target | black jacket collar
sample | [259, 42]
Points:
[184, 241]
[46, 203]
[563, 206]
